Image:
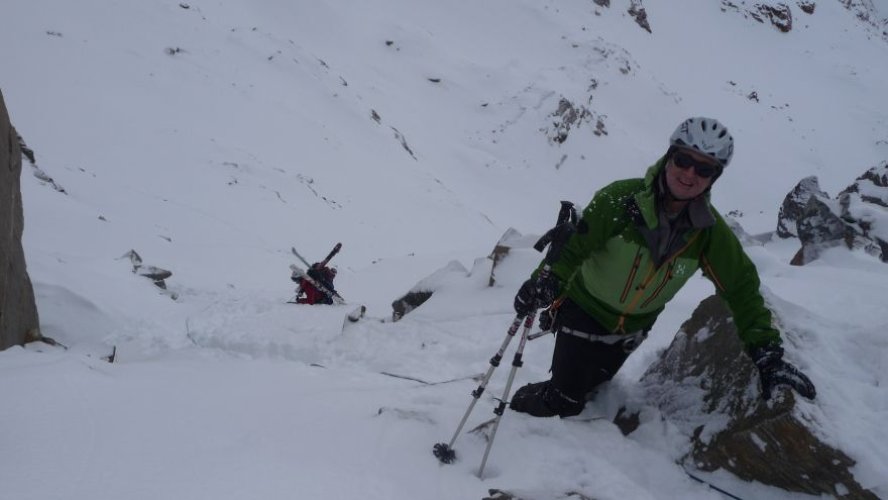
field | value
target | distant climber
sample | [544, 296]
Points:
[316, 284]
[309, 292]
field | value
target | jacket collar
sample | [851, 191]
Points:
[698, 211]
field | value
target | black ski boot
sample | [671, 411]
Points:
[531, 399]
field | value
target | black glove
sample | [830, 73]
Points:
[774, 372]
[547, 319]
[535, 294]
[525, 299]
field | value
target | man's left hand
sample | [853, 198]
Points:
[774, 373]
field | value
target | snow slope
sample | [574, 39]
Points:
[211, 137]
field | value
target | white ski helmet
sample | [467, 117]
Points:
[706, 135]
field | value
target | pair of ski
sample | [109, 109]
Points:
[337, 299]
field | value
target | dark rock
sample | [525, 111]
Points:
[37, 171]
[19, 322]
[627, 421]
[28, 152]
[819, 228]
[818, 224]
[602, 3]
[155, 274]
[403, 140]
[636, 10]
[807, 6]
[872, 186]
[794, 205]
[423, 291]
[863, 209]
[570, 116]
[858, 218]
[497, 494]
[409, 302]
[707, 387]
[779, 15]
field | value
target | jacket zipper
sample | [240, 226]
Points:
[621, 323]
[666, 279]
[635, 264]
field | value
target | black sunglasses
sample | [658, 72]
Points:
[702, 169]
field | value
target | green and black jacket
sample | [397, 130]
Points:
[627, 260]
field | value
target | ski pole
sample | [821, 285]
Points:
[444, 451]
[501, 408]
[555, 239]
[296, 253]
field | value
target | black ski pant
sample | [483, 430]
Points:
[579, 364]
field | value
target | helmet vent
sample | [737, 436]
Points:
[706, 135]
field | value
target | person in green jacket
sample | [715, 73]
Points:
[636, 244]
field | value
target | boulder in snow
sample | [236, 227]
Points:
[708, 387]
[424, 289]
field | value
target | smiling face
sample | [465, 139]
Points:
[683, 173]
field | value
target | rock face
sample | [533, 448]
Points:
[570, 116]
[794, 206]
[18, 311]
[857, 218]
[706, 386]
[777, 13]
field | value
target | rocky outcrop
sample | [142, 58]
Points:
[777, 13]
[857, 218]
[636, 10]
[708, 387]
[570, 116]
[807, 6]
[18, 310]
[794, 204]
[155, 274]
[869, 15]
[424, 290]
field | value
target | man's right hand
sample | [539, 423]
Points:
[535, 294]
[525, 299]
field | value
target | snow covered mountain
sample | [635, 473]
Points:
[211, 137]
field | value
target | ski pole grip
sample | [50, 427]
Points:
[557, 237]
